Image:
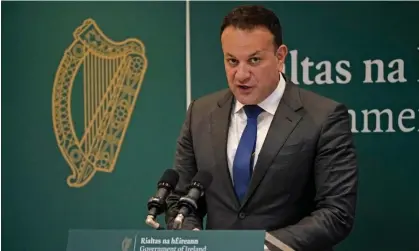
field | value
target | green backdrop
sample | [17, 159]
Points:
[38, 207]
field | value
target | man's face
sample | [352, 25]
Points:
[251, 62]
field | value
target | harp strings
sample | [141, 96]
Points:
[99, 77]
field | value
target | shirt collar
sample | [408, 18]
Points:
[270, 104]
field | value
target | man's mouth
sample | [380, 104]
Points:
[244, 87]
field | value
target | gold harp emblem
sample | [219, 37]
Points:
[112, 74]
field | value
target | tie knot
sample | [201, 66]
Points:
[252, 111]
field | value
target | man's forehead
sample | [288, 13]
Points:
[246, 41]
[241, 49]
[257, 33]
[250, 30]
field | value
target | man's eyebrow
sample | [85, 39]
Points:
[255, 53]
[251, 55]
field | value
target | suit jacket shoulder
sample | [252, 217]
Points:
[210, 101]
[316, 106]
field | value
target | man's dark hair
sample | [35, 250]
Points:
[249, 17]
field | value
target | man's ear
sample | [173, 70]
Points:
[281, 54]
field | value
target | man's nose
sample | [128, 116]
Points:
[242, 73]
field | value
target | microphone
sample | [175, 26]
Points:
[188, 203]
[157, 204]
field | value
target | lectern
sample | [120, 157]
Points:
[165, 240]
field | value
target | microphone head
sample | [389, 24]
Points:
[203, 178]
[169, 178]
[167, 182]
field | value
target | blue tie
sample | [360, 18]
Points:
[243, 161]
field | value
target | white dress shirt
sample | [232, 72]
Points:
[239, 121]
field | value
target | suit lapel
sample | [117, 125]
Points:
[283, 123]
[220, 118]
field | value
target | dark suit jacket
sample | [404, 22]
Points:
[304, 186]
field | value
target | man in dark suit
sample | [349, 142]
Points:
[282, 158]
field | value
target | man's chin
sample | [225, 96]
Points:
[246, 99]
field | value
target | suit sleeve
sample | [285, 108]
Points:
[185, 165]
[336, 181]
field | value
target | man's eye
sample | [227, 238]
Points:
[254, 60]
[232, 61]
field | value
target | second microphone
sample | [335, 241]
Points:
[188, 203]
